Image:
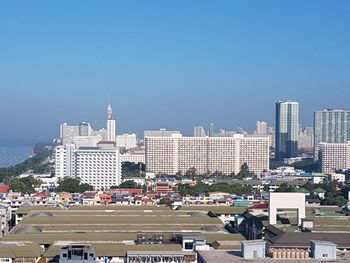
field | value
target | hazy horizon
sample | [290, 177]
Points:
[172, 65]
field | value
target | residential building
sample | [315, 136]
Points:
[306, 139]
[334, 156]
[211, 129]
[331, 126]
[170, 155]
[132, 157]
[199, 131]
[287, 129]
[84, 129]
[261, 127]
[65, 160]
[161, 133]
[127, 141]
[68, 132]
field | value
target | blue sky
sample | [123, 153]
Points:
[172, 64]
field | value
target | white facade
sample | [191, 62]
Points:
[65, 160]
[102, 133]
[286, 201]
[334, 156]
[132, 158]
[337, 177]
[261, 127]
[170, 155]
[161, 133]
[127, 141]
[199, 131]
[111, 125]
[87, 141]
[68, 132]
[98, 166]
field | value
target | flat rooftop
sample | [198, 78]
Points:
[110, 228]
[222, 256]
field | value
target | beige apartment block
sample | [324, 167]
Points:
[170, 155]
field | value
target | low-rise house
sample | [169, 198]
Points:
[105, 198]
[337, 177]
[41, 198]
[125, 191]
[90, 198]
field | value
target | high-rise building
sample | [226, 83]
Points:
[98, 166]
[111, 125]
[261, 127]
[287, 129]
[199, 131]
[170, 155]
[332, 126]
[84, 129]
[334, 156]
[161, 133]
[126, 141]
[68, 132]
[306, 139]
[211, 129]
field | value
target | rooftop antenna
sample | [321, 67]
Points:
[109, 99]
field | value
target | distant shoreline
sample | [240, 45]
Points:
[11, 155]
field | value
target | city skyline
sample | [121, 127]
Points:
[168, 65]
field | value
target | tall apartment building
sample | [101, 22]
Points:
[334, 156]
[170, 155]
[199, 131]
[127, 141]
[306, 139]
[68, 132]
[287, 129]
[331, 126]
[98, 166]
[261, 127]
[161, 133]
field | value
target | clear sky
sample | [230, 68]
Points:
[172, 64]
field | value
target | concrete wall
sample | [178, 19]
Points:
[288, 201]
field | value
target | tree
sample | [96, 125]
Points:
[191, 172]
[128, 184]
[24, 185]
[72, 185]
[166, 202]
[132, 169]
[285, 188]
[244, 172]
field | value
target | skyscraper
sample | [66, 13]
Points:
[331, 126]
[111, 126]
[199, 131]
[287, 127]
[261, 127]
[211, 129]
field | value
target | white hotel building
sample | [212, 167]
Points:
[98, 166]
[170, 155]
[86, 155]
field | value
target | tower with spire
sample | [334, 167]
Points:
[111, 124]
